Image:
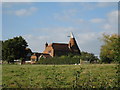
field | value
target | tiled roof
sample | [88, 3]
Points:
[60, 46]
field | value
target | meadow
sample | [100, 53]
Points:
[60, 76]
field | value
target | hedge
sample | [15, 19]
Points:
[59, 60]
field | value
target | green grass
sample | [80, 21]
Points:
[59, 76]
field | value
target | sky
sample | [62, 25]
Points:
[41, 22]
[60, 0]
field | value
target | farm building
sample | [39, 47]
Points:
[58, 49]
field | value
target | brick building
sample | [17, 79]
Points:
[58, 49]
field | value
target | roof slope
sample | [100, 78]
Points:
[73, 45]
[60, 46]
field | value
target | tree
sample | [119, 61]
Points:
[88, 57]
[14, 49]
[110, 50]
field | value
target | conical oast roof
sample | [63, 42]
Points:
[73, 45]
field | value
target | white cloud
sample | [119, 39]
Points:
[89, 42]
[97, 20]
[22, 12]
[113, 17]
[84, 38]
[36, 43]
[107, 26]
[25, 12]
[111, 24]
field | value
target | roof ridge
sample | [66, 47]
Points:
[59, 43]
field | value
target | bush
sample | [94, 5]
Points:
[60, 60]
[85, 56]
[70, 59]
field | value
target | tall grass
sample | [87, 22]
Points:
[60, 76]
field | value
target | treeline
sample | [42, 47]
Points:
[15, 48]
[70, 59]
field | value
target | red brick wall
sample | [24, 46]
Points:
[49, 50]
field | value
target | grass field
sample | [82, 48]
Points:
[60, 76]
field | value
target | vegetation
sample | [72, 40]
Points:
[60, 60]
[89, 57]
[60, 76]
[70, 59]
[110, 51]
[14, 49]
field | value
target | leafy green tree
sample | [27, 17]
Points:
[14, 49]
[110, 51]
[88, 57]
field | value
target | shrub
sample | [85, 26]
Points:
[59, 60]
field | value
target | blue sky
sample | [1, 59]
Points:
[53, 21]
